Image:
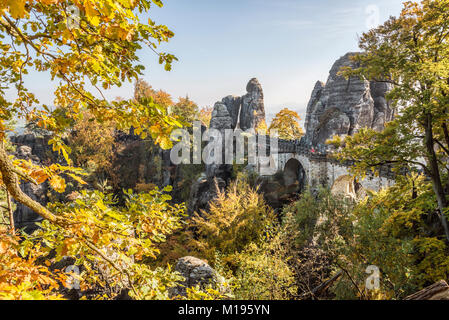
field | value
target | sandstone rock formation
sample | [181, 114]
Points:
[24, 217]
[343, 107]
[232, 112]
[196, 273]
[248, 111]
[220, 121]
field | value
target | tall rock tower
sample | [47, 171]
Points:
[248, 111]
[245, 112]
[344, 106]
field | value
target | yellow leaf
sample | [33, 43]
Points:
[92, 14]
[166, 143]
[58, 184]
[76, 178]
[17, 8]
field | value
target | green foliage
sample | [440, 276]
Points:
[235, 219]
[262, 272]
[410, 53]
[186, 110]
[115, 240]
[84, 54]
[21, 278]
[314, 231]
[239, 236]
[399, 231]
[395, 229]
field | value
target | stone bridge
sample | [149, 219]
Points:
[310, 166]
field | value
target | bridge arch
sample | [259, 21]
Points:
[295, 173]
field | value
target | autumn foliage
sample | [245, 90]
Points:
[286, 123]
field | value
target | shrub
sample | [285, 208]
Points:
[263, 273]
[396, 229]
[314, 230]
[235, 219]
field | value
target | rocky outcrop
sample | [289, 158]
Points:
[248, 111]
[203, 191]
[24, 217]
[196, 272]
[232, 112]
[217, 175]
[220, 121]
[344, 106]
[38, 145]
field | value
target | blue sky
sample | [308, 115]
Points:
[287, 44]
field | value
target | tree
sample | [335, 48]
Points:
[205, 115]
[286, 123]
[22, 279]
[142, 91]
[93, 145]
[410, 52]
[91, 44]
[186, 110]
[236, 217]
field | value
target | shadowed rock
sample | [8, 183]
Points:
[196, 272]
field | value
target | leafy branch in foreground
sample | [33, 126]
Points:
[86, 46]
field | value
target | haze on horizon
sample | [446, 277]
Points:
[287, 45]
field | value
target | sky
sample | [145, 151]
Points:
[287, 45]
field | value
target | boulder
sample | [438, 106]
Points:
[196, 272]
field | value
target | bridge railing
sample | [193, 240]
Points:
[320, 153]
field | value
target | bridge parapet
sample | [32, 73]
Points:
[316, 159]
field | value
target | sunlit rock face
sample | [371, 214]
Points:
[344, 106]
[197, 273]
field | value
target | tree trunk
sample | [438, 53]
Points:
[435, 174]
[11, 182]
[10, 212]
[437, 291]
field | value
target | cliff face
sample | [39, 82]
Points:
[343, 107]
